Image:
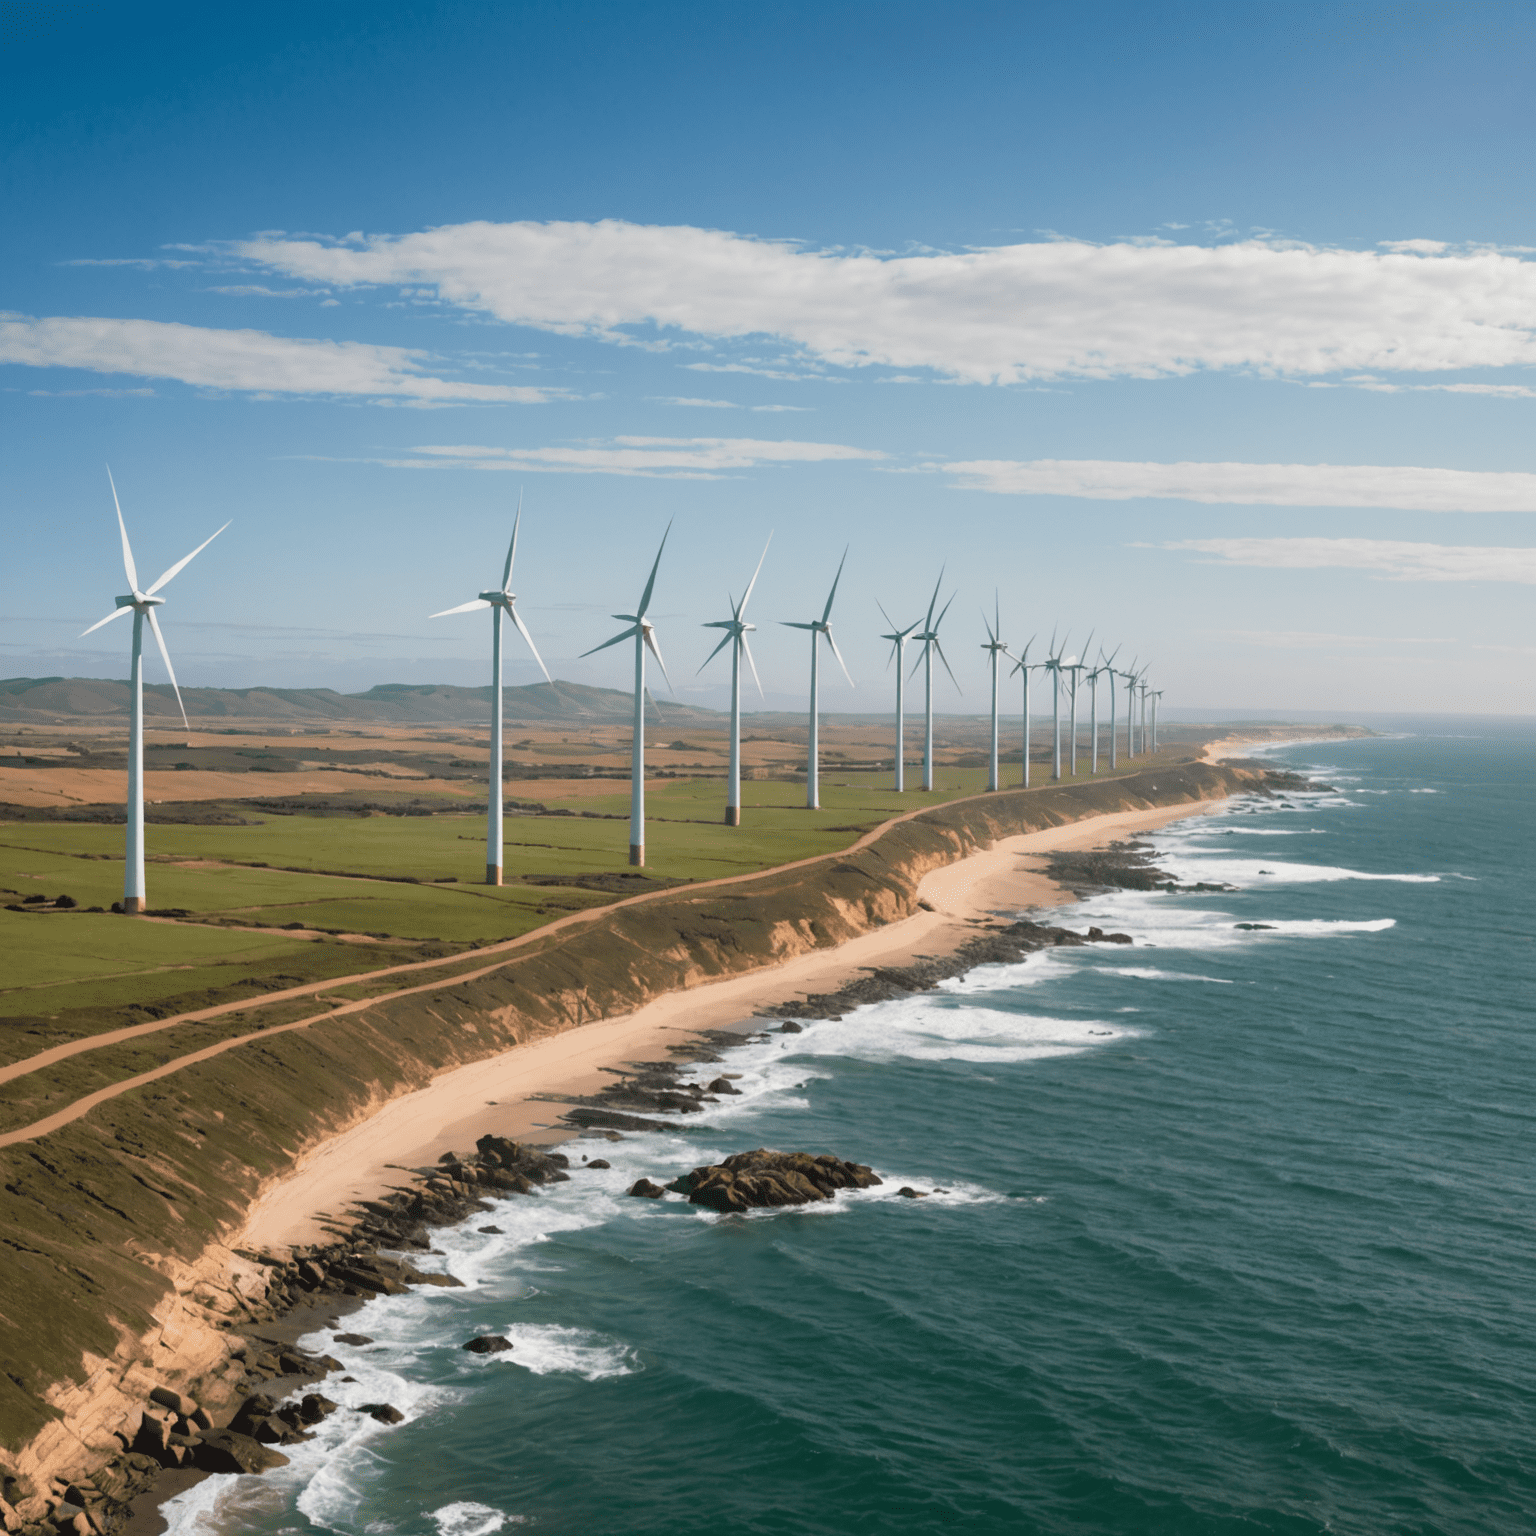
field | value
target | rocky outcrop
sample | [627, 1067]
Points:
[764, 1178]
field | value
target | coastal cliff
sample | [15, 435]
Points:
[113, 1277]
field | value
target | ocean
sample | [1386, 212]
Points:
[1235, 1234]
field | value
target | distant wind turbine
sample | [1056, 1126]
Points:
[1157, 694]
[996, 649]
[1054, 664]
[1025, 667]
[500, 600]
[143, 605]
[1093, 684]
[1129, 677]
[929, 635]
[643, 633]
[898, 639]
[1076, 667]
[818, 628]
[736, 630]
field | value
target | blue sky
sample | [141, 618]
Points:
[1209, 327]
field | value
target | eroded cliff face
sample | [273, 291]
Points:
[113, 1277]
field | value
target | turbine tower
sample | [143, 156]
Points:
[500, 600]
[736, 630]
[898, 639]
[1157, 694]
[1130, 699]
[643, 633]
[1076, 668]
[929, 635]
[996, 649]
[818, 628]
[143, 605]
[1025, 667]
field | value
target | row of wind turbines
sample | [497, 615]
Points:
[1140, 723]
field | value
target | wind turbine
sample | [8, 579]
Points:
[997, 649]
[1130, 690]
[1025, 667]
[643, 633]
[818, 628]
[898, 639]
[1157, 694]
[500, 600]
[1054, 664]
[736, 630]
[143, 605]
[1093, 684]
[1076, 668]
[929, 635]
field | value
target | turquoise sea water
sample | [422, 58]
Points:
[1238, 1235]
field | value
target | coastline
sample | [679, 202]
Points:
[518, 1093]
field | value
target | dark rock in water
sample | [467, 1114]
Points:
[721, 1085]
[354, 1339]
[599, 1162]
[488, 1344]
[647, 1190]
[257, 1407]
[608, 1119]
[764, 1178]
[1255, 927]
[789, 1027]
[313, 1407]
[223, 1450]
[385, 1413]
[912, 1194]
[491, 1231]
[294, 1362]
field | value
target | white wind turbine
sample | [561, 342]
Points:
[1054, 664]
[996, 649]
[1156, 695]
[898, 639]
[1025, 667]
[1076, 667]
[143, 605]
[818, 628]
[1093, 685]
[643, 633]
[929, 635]
[736, 630]
[1130, 677]
[500, 600]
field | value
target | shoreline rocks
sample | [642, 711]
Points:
[762, 1178]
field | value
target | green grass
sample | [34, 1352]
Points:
[345, 874]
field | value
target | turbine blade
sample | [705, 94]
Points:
[883, 614]
[654, 705]
[626, 634]
[725, 640]
[645, 599]
[827, 611]
[506, 575]
[944, 610]
[522, 629]
[469, 607]
[129, 569]
[928, 624]
[650, 642]
[116, 613]
[747, 652]
[185, 560]
[748, 593]
[165, 656]
[791, 624]
[942, 657]
[843, 664]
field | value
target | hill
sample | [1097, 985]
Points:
[46, 700]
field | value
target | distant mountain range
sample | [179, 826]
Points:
[46, 700]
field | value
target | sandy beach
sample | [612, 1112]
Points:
[497, 1095]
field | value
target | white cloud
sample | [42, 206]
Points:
[714, 405]
[667, 458]
[261, 291]
[240, 360]
[1390, 558]
[1045, 309]
[1278, 485]
[143, 263]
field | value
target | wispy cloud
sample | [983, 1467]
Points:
[247, 361]
[665, 458]
[1405, 487]
[1046, 309]
[143, 263]
[722, 405]
[1389, 558]
[261, 291]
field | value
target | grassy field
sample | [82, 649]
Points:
[383, 888]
